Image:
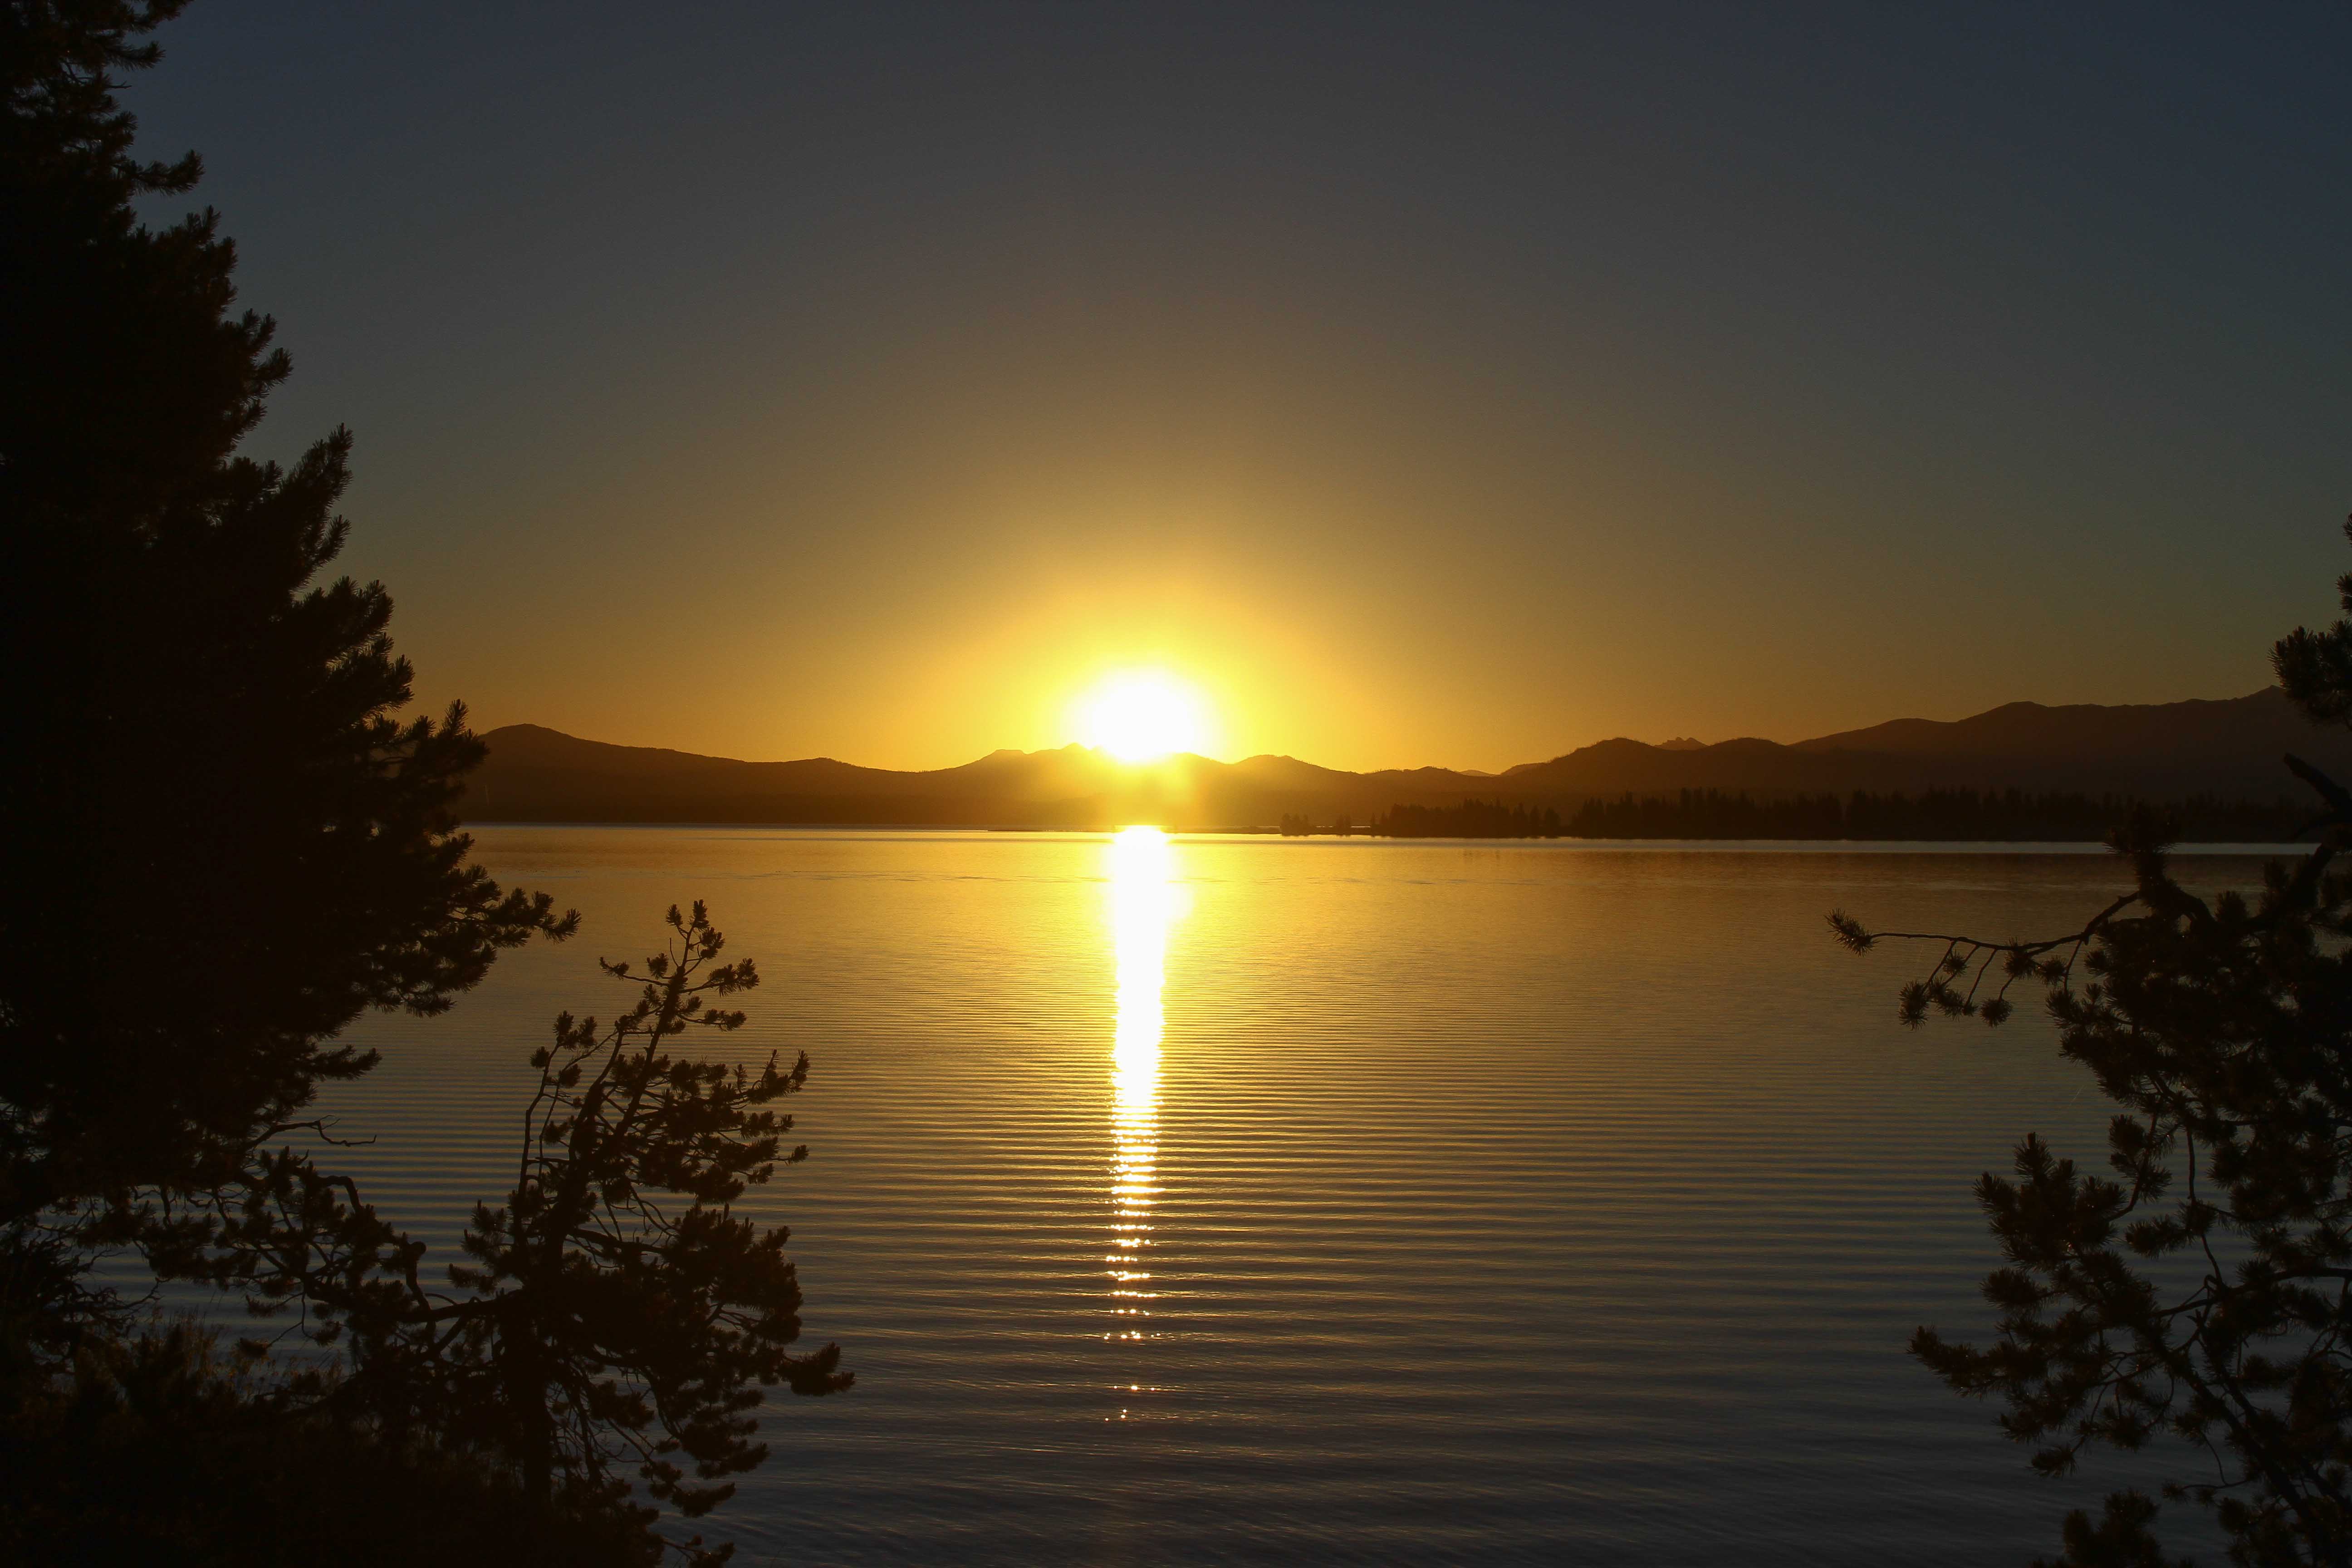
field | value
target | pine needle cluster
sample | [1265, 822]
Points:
[2196, 1299]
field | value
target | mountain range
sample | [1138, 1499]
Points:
[2170, 751]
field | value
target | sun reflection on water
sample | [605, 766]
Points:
[1146, 900]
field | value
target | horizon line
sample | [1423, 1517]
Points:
[1674, 742]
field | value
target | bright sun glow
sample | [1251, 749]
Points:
[1138, 716]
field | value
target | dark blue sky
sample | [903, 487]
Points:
[1447, 385]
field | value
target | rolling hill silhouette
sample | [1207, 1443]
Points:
[2230, 748]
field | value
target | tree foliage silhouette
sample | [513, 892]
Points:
[2204, 1291]
[600, 1323]
[600, 1328]
[586, 1274]
[231, 845]
[159, 1448]
[227, 843]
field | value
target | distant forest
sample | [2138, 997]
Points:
[1965, 814]
[1471, 819]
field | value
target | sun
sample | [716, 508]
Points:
[1140, 715]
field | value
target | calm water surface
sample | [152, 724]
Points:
[1251, 1201]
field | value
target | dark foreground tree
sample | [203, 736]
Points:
[224, 844]
[2199, 1297]
[617, 1312]
[616, 1320]
[158, 1448]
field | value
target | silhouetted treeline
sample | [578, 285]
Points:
[1959, 815]
[1471, 819]
[2007, 817]
[1965, 815]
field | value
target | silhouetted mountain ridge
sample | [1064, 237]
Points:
[2230, 748]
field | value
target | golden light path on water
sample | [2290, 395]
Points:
[1146, 900]
[1670, 1206]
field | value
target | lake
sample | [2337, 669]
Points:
[1252, 1200]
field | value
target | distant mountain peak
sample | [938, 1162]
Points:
[2229, 747]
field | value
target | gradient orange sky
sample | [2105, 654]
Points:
[1452, 386]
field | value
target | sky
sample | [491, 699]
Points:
[1421, 385]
